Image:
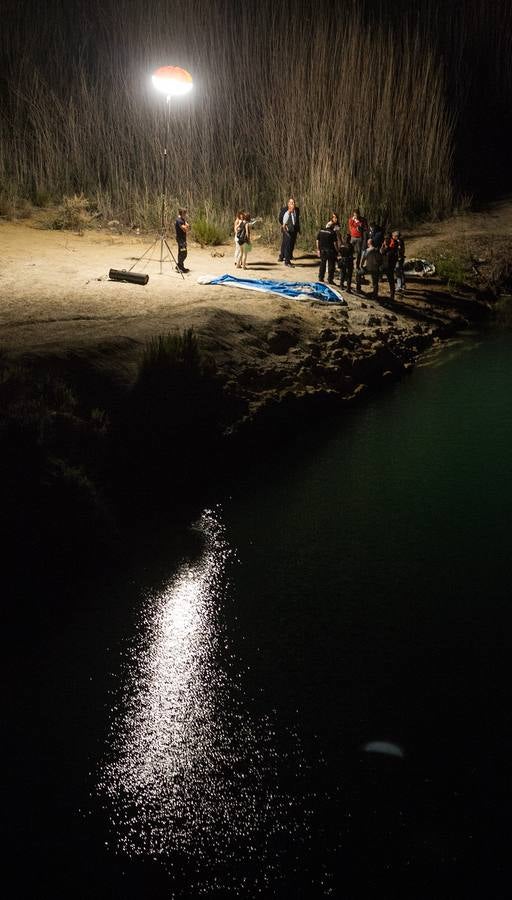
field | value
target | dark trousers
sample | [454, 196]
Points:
[346, 270]
[375, 282]
[327, 258]
[182, 254]
[358, 245]
[391, 281]
[288, 245]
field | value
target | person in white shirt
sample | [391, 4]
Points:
[291, 228]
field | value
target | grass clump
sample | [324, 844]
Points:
[452, 268]
[500, 273]
[208, 233]
[163, 353]
[13, 206]
[73, 214]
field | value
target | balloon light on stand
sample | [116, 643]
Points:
[172, 81]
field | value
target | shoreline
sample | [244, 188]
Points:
[97, 452]
[59, 310]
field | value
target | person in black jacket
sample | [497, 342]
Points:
[346, 262]
[398, 242]
[326, 248]
[291, 228]
[182, 229]
[389, 255]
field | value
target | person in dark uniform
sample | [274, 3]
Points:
[346, 262]
[182, 229]
[326, 248]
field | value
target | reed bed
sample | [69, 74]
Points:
[340, 105]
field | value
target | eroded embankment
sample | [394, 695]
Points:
[296, 368]
[91, 442]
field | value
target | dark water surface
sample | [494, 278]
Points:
[203, 726]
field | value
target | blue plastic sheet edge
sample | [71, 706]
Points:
[292, 289]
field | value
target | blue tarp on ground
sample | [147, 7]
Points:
[295, 290]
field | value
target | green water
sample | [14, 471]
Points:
[207, 720]
[374, 593]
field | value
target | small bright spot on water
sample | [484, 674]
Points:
[386, 748]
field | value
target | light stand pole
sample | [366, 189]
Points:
[173, 82]
[164, 184]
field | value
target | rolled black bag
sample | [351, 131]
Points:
[131, 277]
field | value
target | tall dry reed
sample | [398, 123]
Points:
[342, 105]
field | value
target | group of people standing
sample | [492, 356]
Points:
[363, 248]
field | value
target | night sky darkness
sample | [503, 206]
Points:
[75, 108]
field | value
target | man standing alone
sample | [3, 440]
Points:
[291, 228]
[182, 229]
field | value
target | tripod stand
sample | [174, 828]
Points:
[161, 237]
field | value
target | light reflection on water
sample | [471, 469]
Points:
[189, 773]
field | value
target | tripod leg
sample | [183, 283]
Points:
[149, 250]
[163, 241]
[171, 254]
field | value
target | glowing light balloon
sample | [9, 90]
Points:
[172, 81]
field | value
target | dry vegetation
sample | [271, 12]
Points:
[331, 104]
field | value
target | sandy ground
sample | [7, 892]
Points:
[55, 287]
[55, 291]
[56, 296]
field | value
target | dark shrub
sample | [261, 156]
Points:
[173, 422]
[51, 510]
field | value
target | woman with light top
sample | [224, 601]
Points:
[238, 249]
[245, 246]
